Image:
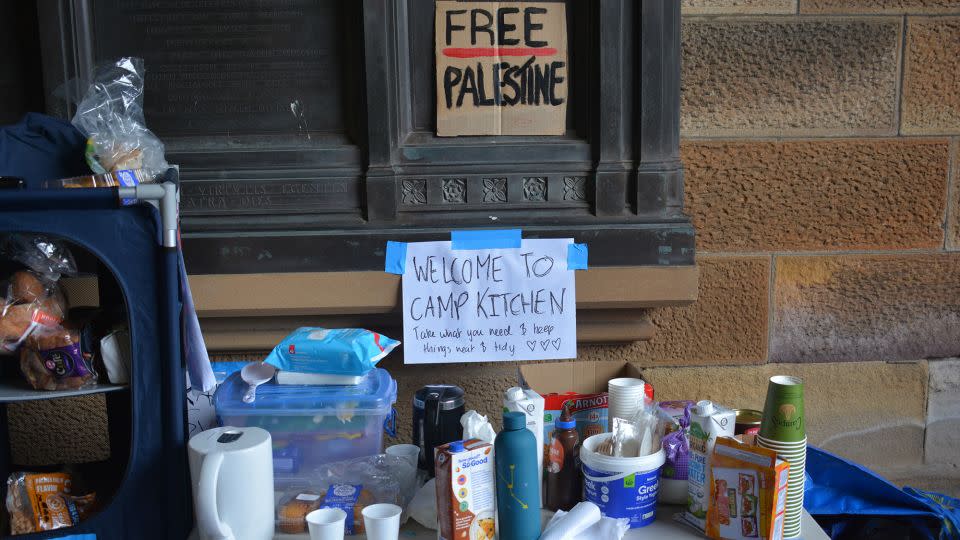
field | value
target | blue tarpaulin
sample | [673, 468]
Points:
[851, 501]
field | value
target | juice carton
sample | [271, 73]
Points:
[748, 486]
[708, 422]
[466, 490]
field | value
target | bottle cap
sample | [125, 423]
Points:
[704, 408]
[514, 420]
[456, 446]
[566, 420]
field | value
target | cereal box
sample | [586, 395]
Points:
[466, 490]
[748, 492]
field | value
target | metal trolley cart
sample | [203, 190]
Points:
[147, 491]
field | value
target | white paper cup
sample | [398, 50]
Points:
[326, 524]
[382, 521]
[623, 383]
[409, 452]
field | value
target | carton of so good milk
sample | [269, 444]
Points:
[708, 422]
[748, 487]
[466, 491]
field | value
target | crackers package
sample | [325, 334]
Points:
[748, 492]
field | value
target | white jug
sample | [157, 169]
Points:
[231, 471]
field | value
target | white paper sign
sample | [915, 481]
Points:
[486, 305]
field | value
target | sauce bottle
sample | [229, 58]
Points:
[564, 484]
[518, 480]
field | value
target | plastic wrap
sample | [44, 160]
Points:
[49, 258]
[31, 303]
[33, 298]
[349, 485]
[677, 448]
[638, 436]
[111, 116]
[607, 528]
[337, 351]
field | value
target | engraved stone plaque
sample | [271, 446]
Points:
[328, 194]
[232, 67]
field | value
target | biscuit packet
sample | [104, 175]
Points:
[42, 502]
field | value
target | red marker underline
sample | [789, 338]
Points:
[478, 52]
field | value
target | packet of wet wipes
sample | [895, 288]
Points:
[331, 351]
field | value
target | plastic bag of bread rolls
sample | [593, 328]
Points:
[31, 303]
[52, 359]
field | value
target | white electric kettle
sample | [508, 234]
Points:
[231, 470]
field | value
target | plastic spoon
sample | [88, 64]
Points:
[255, 374]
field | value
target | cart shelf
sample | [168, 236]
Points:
[14, 391]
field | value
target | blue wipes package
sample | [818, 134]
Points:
[333, 351]
[344, 497]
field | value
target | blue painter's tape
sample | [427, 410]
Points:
[502, 239]
[577, 257]
[396, 260]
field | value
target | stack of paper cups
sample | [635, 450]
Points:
[625, 397]
[782, 430]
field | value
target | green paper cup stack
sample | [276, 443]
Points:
[782, 430]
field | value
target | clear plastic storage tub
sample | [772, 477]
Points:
[314, 425]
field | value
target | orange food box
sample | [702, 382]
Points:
[748, 492]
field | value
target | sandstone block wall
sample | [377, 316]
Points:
[823, 135]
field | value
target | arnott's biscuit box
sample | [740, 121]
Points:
[466, 490]
[580, 386]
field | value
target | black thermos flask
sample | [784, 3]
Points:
[437, 409]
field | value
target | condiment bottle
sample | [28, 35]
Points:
[564, 483]
[518, 480]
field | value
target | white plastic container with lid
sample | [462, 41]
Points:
[531, 404]
[707, 422]
[314, 425]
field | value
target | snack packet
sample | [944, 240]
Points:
[336, 351]
[42, 502]
[54, 358]
[677, 449]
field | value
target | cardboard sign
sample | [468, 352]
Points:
[501, 68]
[488, 304]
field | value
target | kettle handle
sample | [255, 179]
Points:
[208, 518]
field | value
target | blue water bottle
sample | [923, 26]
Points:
[518, 480]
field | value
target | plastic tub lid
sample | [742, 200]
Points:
[375, 394]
